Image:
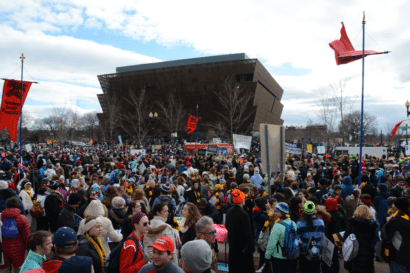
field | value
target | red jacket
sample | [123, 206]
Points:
[127, 265]
[51, 266]
[15, 248]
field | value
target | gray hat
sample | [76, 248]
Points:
[165, 188]
[197, 255]
[3, 184]
[74, 183]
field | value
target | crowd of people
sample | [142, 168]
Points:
[103, 209]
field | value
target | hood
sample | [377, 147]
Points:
[7, 193]
[331, 204]
[95, 208]
[384, 194]
[347, 180]
[10, 213]
[363, 223]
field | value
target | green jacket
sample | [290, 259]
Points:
[32, 261]
[277, 234]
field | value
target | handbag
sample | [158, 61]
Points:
[264, 239]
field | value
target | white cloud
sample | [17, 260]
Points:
[93, 23]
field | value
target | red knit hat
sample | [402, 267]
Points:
[237, 196]
[331, 204]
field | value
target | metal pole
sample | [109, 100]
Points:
[21, 106]
[196, 127]
[281, 155]
[267, 158]
[361, 123]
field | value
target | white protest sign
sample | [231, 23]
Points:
[216, 140]
[292, 148]
[321, 150]
[173, 162]
[28, 148]
[138, 151]
[327, 250]
[241, 141]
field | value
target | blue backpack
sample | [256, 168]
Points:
[9, 229]
[113, 263]
[289, 250]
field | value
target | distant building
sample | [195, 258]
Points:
[195, 81]
[315, 132]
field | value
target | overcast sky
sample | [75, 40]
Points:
[67, 43]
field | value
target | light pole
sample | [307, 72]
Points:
[153, 121]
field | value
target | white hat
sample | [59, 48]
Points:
[3, 185]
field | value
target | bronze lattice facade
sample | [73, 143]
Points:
[195, 81]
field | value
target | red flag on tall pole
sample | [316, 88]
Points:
[344, 50]
[10, 105]
[191, 126]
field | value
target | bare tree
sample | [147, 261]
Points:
[90, 123]
[173, 112]
[56, 122]
[134, 123]
[326, 112]
[112, 114]
[352, 124]
[235, 101]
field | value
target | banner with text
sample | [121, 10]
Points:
[240, 141]
[292, 148]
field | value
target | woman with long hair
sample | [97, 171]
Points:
[39, 245]
[190, 215]
[109, 195]
[365, 229]
[193, 194]
[158, 227]
[366, 199]
[90, 243]
[133, 208]
[296, 208]
[309, 225]
[139, 196]
[130, 263]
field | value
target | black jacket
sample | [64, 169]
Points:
[212, 212]
[365, 231]
[337, 224]
[126, 228]
[241, 240]
[401, 225]
[86, 248]
[117, 216]
[66, 218]
[187, 236]
[52, 207]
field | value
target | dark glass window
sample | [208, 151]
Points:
[244, 77]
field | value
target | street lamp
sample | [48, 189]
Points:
[153, 121]
[407, 106]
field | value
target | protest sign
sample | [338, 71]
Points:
[327, 250]
[138, 151]
[201, 151]
[216, 140]
[120, 140]
[292, 148]
[240, 141]
[310, 148]
[321, 150]
[213, 149]
[28, 148]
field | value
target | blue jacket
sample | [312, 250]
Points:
[163, 198]
[382, 205]
[304, 233]
[32, 261]
[6, 194]
[256, 179]
[348, 189]
[259, 219]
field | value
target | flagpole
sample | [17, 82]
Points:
[361, 123]
[21, 105]
[196, 127]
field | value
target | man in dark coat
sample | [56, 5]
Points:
[66, 218]
[240, 236]
[52, 206]
[6, 193]
[209, 209]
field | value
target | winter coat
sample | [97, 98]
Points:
[52, 206]
[15, 248]
[381, 205]
[6, 194]
[168, 268]
[277, 236]
[164, 198]
[365, 231]
[67, 218]
[304, 232]
[369, 189]
[191, 196]
[126, 228]
[256, 180]
[337, 224]
[52, 265]
[86, 248]
[402, 226]
[259, 218]
[33, 261]
[95, 208]
[28, 204]
[116, 217]
[128, 264]
[211, 211]
[240, 239]
[159, 228]
[348, 189]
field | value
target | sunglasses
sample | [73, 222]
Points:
[210, 233]
[145, 224]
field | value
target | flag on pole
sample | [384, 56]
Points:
[344, 50]
[10, 105]
[396, 127]
[191, 126]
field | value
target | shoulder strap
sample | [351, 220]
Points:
[136, 246]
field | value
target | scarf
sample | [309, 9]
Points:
[362, 185]
[182, 225]
[99, 247]
[198, 196]
[401, 214]
[149, 190]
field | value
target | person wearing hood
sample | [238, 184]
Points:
[66, 217]
[365, 229]
[367, 187]
[6, 193]
[399, 223]
[52, 205]
[14, 248]
[381, 203]
[337, 224]
[322, 184]
[348, 189]
[256, 178]
[96, 208]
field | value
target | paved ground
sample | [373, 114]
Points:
[379, 267]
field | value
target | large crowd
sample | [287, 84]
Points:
[103, 209]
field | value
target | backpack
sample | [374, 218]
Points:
[37, 210]
[290, 249]
[113, 263]
[9, 228]
[313, 251]
[264, 239]
[350, 248]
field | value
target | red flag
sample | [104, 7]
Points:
[394, 131]
[191, 126]
[10, 105]
[344, 51]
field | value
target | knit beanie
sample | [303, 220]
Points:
[197, 255]
[74, 199]
[309, 207]
[137, 218]
[165, 188]
[53, 185]
[282, 208]
[118, 202]
[3, 185]
[382, 187]
[402, 203]
[77, 264]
